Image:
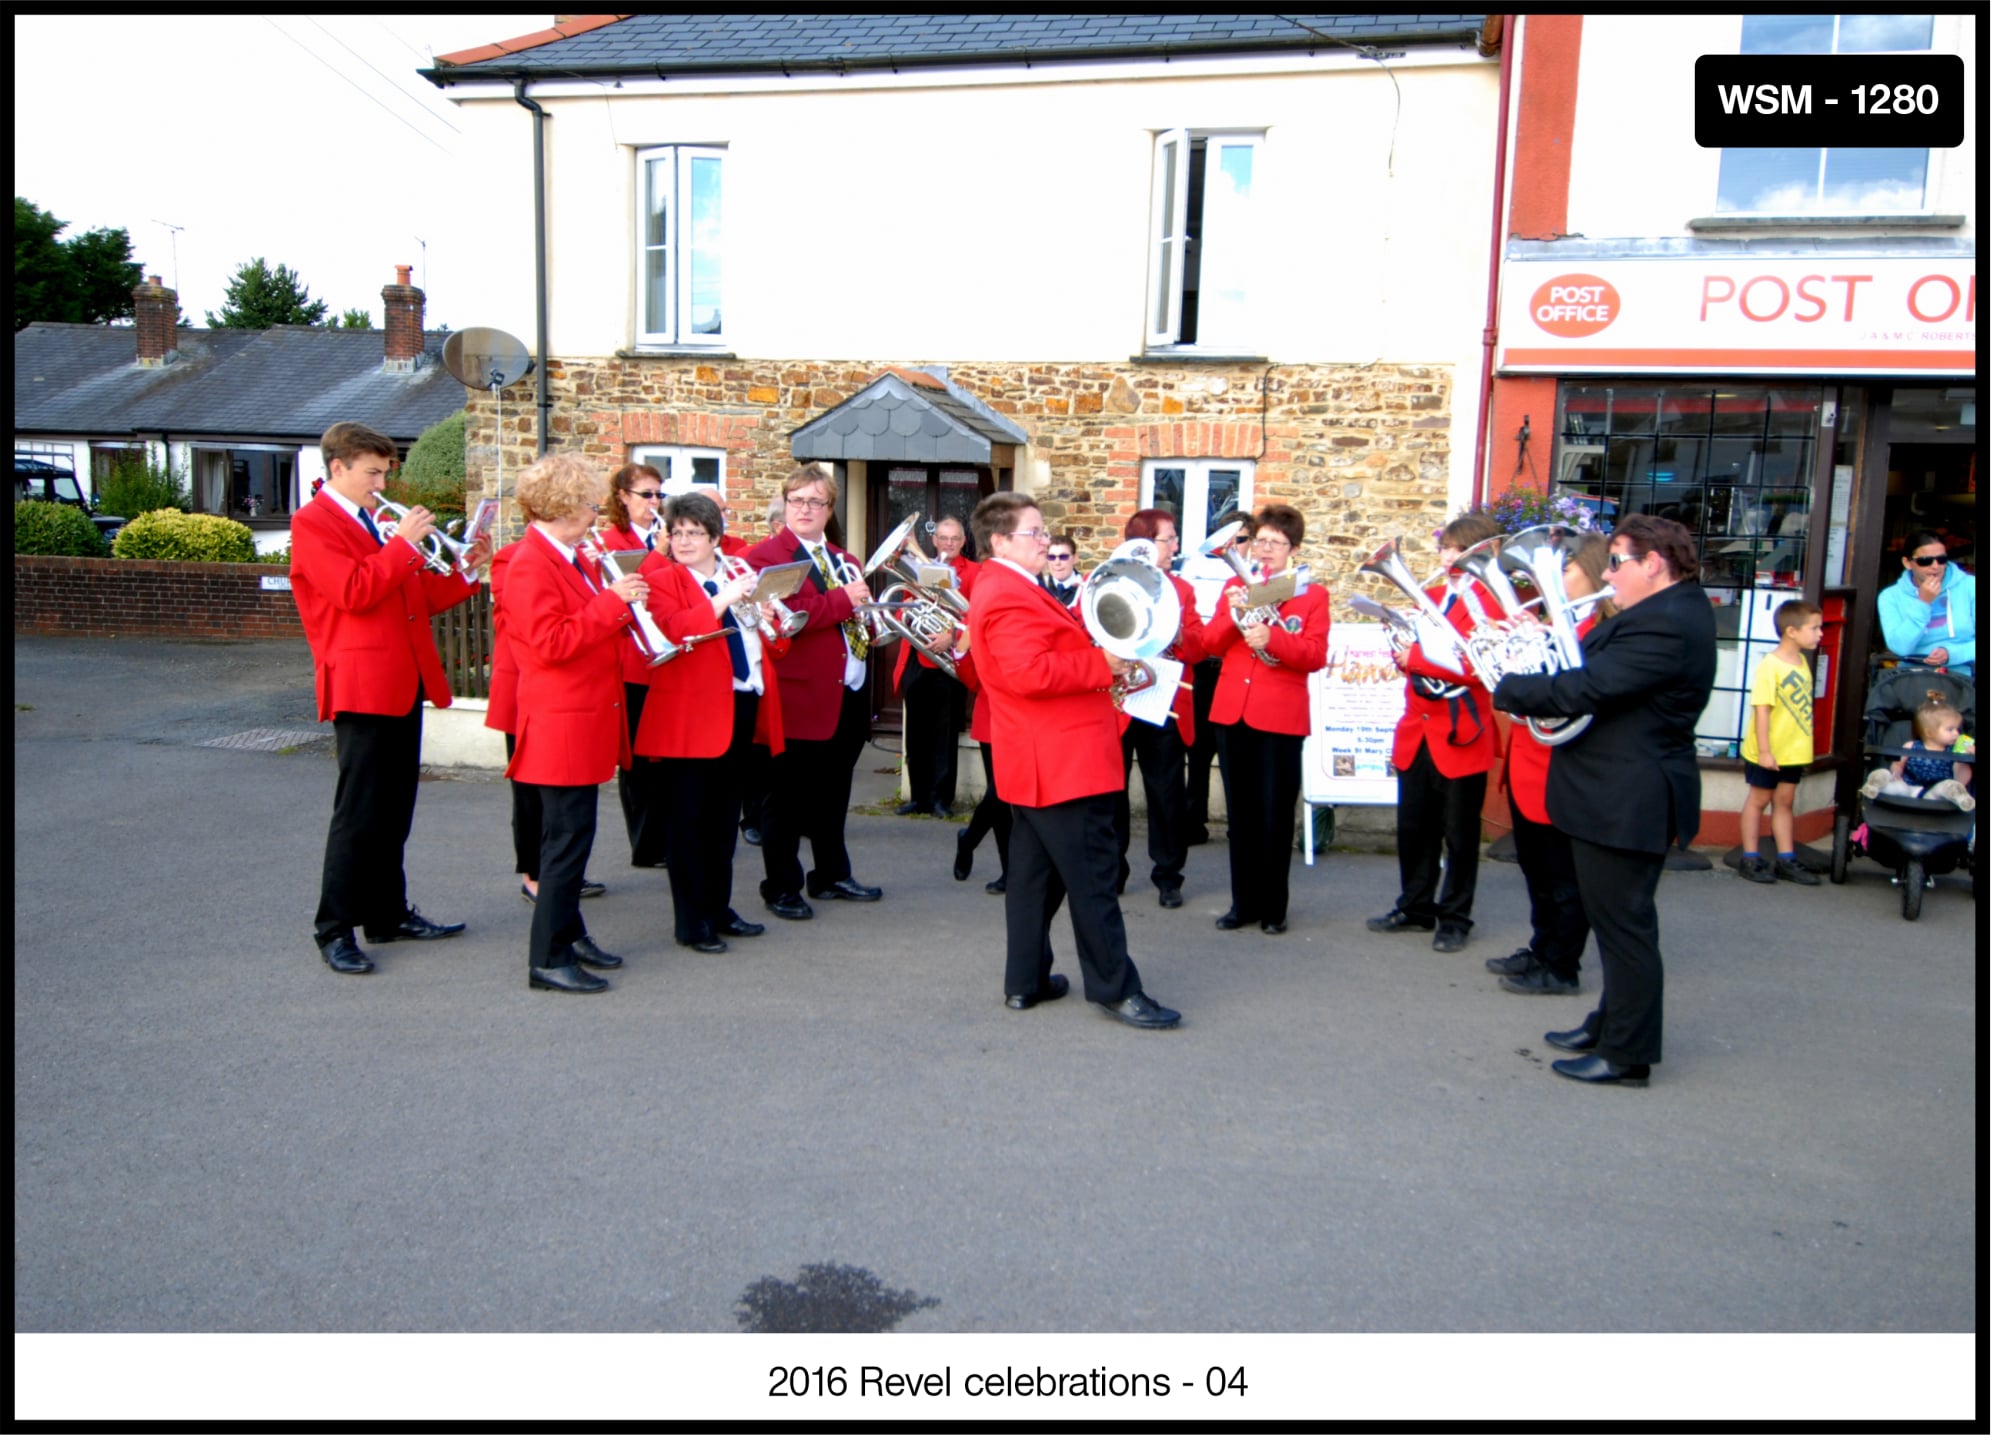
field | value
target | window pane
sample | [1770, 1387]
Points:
[1872, 181]
[1228, 233]
[704, 244]
[1165, 237]
[707, 472]
[1768, 181]
[657, 292]
[1882, 32]
[659, 198]
[1225, 495]
[1788, 34]
[1170, 491]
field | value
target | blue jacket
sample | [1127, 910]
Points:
[1906, 618]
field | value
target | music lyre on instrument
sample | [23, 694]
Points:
[654, 645]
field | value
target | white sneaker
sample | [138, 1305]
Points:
[1952, 790]
[1877, 780]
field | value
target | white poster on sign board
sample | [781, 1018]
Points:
[1357, 700]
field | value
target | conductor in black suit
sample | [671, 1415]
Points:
[1627, 787]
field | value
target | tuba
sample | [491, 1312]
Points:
[442, 552]
[1131, 611]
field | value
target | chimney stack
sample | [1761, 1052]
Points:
[403, 330]
[157, 310]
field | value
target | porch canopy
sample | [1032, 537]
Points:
[906, 416]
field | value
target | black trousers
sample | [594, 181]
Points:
[1065, 850]
[1205, 751]
[639, 791]
[756, 786]
[991, 815]
[933, 714]
[1618, 887]
[1555, 907]
[1162, 763]
[1262, 785]
[811, 783]
[527, 823]
[701, 799]
[1437, 815]
[374, 799]
[569, 827]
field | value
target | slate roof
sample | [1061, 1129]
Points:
[279, 384]
[670, 44]
[906, 417]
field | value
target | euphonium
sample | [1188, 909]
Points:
[1131, 611]
[1517, 643]
[441, 551]
[915, 615]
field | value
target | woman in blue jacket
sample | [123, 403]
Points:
[1929, 615]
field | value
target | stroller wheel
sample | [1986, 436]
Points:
[1843, 839]
[1913, 889]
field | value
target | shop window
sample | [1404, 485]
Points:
[1827, 181]
[1203, 235]
[1735, 466]
[680, 245]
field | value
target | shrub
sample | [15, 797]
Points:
[282, 557]
[434, 473]
[186, 538]
[1520, 508]
[137, 485]
[58, 529]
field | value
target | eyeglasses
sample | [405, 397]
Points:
[1270, 543]
[807, 503]
[1930, 562]
[687, 533]
[1618, 560]
[650, 494]
[593, 507]
[1039, 535]
[1062, 558]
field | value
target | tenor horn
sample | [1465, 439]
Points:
[1222, 544]
[1541, 554]
[1428, 620]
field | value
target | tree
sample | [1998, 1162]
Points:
[87, 279]
[352, 319]
[260, 297]
[434, 473]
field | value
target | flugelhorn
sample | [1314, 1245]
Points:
[654, 645]
[442, 552]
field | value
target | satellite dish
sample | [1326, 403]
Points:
[485, 358]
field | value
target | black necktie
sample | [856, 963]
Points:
[739, 655]
[583, 567]
[368, 522]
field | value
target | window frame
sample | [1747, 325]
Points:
[1167, 237]
[1206, 575]
[679, 268]
[654, 453]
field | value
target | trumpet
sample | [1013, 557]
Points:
[442, 552]
[790, 622]
[654, 645]
[1222, 544]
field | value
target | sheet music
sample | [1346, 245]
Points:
[1156, 703]
[780, 581]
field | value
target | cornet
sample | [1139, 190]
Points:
[442, 552]
[654, 645]
[790, 622]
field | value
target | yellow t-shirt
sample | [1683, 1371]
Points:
[1788, 692]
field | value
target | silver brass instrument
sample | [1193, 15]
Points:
[790, 622]
[1387, 564]
[1540, 553]
[442, 552]
[918, 612]
[1222, 544]
[1131, 611]
[654, 645]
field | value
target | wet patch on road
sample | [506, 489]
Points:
[270, 739]
[826, 1300]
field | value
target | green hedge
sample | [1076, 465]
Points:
[136, 485]
[186, 538]
[55, 529]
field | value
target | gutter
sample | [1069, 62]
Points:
[1490, 338]
[541, 278]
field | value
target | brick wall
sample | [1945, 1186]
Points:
[117, 597]
[1362, 451]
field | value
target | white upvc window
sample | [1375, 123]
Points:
[1202, 237]
[686, 470]
[680, 245]
[1806, 182]
[1198, 492]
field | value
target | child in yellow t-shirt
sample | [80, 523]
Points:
[1777, 743]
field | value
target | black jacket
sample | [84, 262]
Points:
[1630, 780]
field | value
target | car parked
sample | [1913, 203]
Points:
[38, 478]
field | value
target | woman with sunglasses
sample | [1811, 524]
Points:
[630, 523]
[1930, 614]
[1060, 576]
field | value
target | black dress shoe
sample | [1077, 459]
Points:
[734, 926]
[1522, 961]
[848, 890]
[789, 905]
[416, 927]
[1229, 921]
[1539, 982]
[1054, 989]
[1277, 928]
[911, 809]
[941, 809]
[1400, 921]
[1584, 1038]
[1170, 897]
[1141, 1011]
[998, 886]
[754, 836]
[1599, 1072]
[565, 979]
[707, 942]
[1197, 837]
[346, 958]
[961, 865]
[591, 889]
[1449, 939]
[585, 952]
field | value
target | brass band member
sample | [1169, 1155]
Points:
[631, 523]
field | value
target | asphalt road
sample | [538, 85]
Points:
[1350, 1133]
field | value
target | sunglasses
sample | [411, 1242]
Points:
[651, 493]
[1930, 562]
[1618, 560]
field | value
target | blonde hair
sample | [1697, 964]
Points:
[557, 485]
[1928, 718]
[810, 473]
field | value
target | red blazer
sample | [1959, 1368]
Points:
[1459, 731]
[809, 675]
[631, 662]
[733, 546]
[1055, 731]
[691, 711]
[367, 608]
[564, 634]
[1252, 691]
[502, 688]
[968, 574]
[1527, 770]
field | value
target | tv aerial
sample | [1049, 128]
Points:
[489, 359]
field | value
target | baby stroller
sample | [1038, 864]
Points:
[1914, 837]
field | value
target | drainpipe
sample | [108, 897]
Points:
[541, 277]
[1490, 339]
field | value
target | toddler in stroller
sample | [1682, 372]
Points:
[1930, 770]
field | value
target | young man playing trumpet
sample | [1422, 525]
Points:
[1056, 759]
[366, 597]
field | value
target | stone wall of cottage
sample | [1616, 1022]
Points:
[1360, 450]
